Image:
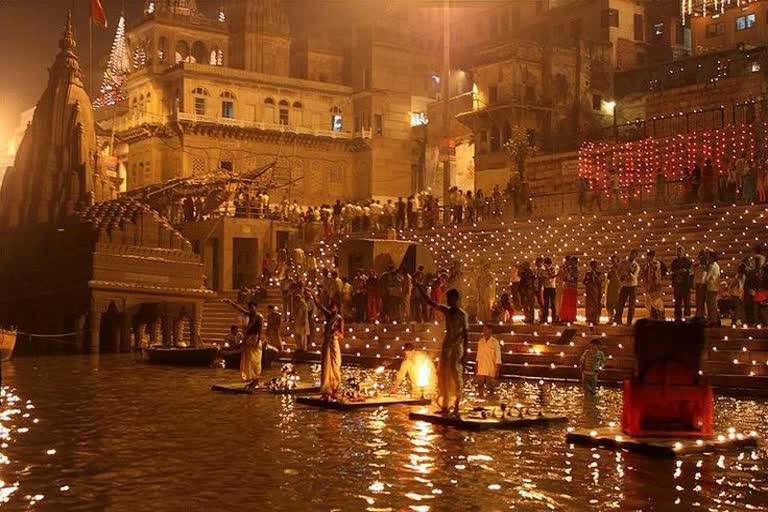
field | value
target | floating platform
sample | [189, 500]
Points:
[469, 421]
[613, 437]
[239, 388]
[379, 401]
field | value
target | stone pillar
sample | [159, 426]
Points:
[196, 323]
[125, 332]
[80, 336]
[154, 328]
[167, 330]
[95, 327]
[138, 336]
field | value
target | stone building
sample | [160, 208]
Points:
[240, 91]
[104, 273]
[716, 26]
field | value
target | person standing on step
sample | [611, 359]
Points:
[300, 319]
[713, 287]
[527, 291]
[654, 297]
[570, 285]
[593, 289]
[453, 354]
[488, 360]
[682, 277]
[274, 323]
[250, 355]
[628, 273]
[330, 354]
[700, 280]
[613, 287]
[548, 278]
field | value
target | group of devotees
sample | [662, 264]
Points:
[444, 384]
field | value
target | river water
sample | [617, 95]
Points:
[112, 433]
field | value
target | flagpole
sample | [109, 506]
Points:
[90, 56]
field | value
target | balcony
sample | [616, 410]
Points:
[257, 125]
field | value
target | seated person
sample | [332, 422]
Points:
[419, 368]
[233, 340]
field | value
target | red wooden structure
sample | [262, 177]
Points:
[668, 397]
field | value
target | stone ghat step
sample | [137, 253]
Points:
[730, 383]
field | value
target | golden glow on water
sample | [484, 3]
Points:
[112, 421]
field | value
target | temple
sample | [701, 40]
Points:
[130, 276]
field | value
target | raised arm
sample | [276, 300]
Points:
[320, 306]
[428, 300]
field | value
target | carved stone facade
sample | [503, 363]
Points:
[101, 272]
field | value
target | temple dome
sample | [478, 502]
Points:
[55, 172]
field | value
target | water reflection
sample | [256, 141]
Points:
[111, 433]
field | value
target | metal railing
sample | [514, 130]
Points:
[736, 113]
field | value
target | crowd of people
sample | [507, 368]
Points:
[538, 291]
[546, 292]
[742, 180]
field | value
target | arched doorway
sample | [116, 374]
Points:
[109, 329]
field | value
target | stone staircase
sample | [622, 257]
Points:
[731, 231]
[734, 359]
[219, 314]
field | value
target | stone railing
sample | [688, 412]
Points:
[278, 127]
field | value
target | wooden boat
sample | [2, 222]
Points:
[7, 344]
[182, 356]
[232, 358]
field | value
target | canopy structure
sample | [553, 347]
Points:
[217, 187]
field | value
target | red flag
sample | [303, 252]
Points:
[98, 16]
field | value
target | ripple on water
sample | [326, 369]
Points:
[96, 433]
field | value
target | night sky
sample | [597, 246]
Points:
[30, 31]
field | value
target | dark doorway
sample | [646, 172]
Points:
[109, 330]
[244, 262]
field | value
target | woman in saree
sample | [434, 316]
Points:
[250, 355]
[330, 356]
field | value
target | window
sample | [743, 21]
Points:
[200, 106]
[504, 21]
[284, 114]
[162, 49]
[493, 94]
[378, 124]
[575, 29]
[745, 22]
[226, 165]
[597, 101]
[495, 140]
[297, 105]
[639, 35]
[530, 93]
[715, 29]
[658, 29]
[269, 101]
[227, 109]
[506, 133]
[336, 119]
[482, 143]
[610, 18]
[200, 90]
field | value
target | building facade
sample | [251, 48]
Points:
[239, 91]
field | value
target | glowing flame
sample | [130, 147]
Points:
[423, 374]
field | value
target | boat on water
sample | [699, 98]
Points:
[232, 357]
[182, 356]
[7, 344]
